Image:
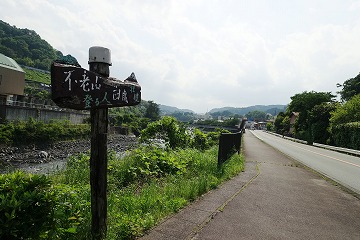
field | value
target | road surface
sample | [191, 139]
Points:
[342, 168]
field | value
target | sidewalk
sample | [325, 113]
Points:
[275, 198]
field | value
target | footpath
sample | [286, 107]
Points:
[274, 198]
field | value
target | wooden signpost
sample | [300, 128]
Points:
[77, 88]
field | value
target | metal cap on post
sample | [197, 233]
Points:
[100, 60]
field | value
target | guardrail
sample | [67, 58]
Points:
[30, 105]
[333, 148]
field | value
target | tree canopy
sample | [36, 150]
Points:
[348, 112]
[152, 111]
[256, 115]
[319, 117]
[303, 103]
[350, 88]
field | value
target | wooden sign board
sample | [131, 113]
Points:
[77, 88]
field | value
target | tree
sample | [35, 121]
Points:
[225, 113]
[346, 113]
[350, 88]
[278, 124]
[345, 124]
[152, 111]
[256, 115]
[269, 126]
[231, 122]
[183, 116]
[319, 120]
[304, 103]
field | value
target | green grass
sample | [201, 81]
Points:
[37, 76]
[143, 188]
[137, 205]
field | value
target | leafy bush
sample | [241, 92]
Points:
[144, 164]
[6, 133]
[200, 140]
[213, 137]
[269, 126]
[348, 112]
[32, 208]
[169, 129]
[345, 124]
[71, 216]
[347, 135]
[26, 206]
[176, 135]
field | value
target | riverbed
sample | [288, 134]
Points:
[47, 158]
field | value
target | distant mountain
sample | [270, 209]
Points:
[272, 109]
[168, 110]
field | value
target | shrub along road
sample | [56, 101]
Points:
[275, 198]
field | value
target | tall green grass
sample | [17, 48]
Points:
[141, 195]
[145, 186]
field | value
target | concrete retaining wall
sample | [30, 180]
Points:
[11, 113]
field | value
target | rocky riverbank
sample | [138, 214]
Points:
[35, 158]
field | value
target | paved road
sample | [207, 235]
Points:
[273, 199]
[342, 168]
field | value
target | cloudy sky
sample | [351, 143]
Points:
[202, 54]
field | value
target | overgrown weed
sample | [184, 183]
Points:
[143, 188]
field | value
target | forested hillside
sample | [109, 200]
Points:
[272, 109]
[26, 47]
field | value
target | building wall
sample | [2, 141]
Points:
[11, 81]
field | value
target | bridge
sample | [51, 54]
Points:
[210, 128]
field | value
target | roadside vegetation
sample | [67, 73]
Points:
[322, 119]
[148, 184]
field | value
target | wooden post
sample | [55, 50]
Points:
[98, 168]
[98, 158]
[77, 88]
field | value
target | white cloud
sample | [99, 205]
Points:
[205, 54]
[315, 60]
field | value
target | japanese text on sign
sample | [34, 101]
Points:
[77, 88]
